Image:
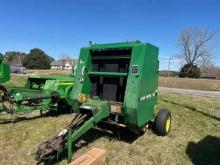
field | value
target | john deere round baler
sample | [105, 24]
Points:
[114, 83]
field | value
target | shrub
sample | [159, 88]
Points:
[190, 70]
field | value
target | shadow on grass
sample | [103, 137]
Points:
[206, 151]
[193, 109]
[50, 113]
[118, 133]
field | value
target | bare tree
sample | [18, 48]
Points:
[63, 58]
[196, 45]
[205, 66]
[212, 70]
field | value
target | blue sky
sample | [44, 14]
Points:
[63, 26]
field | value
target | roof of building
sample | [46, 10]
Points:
[209, 75]
[56, 63]
[63, 62]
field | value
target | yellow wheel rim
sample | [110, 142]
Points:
[168, 123]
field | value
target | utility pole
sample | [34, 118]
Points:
[169, 66]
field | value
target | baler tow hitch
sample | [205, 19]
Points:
[51, 147]
[90, 114]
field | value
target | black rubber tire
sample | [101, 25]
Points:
[3, 89]
[160, 122]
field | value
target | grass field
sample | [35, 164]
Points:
[195, 135]
[19, 80]
[49, 72]
[189, 83]
[186, 83]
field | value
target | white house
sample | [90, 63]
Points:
[63, 64]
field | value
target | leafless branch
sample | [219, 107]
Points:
[196, 44]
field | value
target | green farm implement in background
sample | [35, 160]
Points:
[4, 71]
[39, 93]
[115, 84]
[4, 76]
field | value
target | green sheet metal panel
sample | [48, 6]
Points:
[141, 85]
[82, 82]
[142, 77]
[148, 85]
[132, 87]
[4, 70]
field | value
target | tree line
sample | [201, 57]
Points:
[35, 59]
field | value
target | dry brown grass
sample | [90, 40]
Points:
[193, 121]
[18, 80]
[189, 83]
[186, 83]
[48, 72]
